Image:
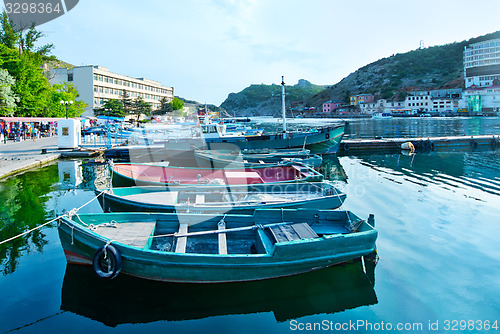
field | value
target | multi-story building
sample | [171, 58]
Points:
[330, 106]
[419, 103]
[361, 98]
[482, 76]
[445, 105]
[97, 84]
[382, 106]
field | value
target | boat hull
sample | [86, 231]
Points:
[269, 261]
[324, 140]
[224, 159]
[134, 174]
[233, 200]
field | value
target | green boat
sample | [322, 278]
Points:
[221, 198]
[202, 248]
[251, 158]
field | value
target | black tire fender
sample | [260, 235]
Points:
[114, 260]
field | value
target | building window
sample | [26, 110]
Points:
[70, 76]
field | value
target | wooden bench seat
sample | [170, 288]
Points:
[180, 246]
[284, 233]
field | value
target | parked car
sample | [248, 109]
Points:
[97, 130]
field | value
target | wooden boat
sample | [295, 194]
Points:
[221, 199]
[251, 158]
[131, 174]
[209, 249]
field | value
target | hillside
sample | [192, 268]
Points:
[389, 78]
[259, 100]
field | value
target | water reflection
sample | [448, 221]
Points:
[30, 199]
[131, 300]
[422, 126]
[332, 169]
[23, 206]
[476, 169]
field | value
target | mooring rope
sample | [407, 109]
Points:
[69, 214]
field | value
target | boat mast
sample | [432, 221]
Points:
[283, 109]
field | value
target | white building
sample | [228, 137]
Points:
[97, 84]
[482, 76]
[419, 102]
[436, 100]
[381, 106]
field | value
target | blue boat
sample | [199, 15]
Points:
[221, 198]
[199, 248]
[251, 158]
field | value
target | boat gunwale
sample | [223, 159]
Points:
[163, 254]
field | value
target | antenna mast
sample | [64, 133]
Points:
[283, 109]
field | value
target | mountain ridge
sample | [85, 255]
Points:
[391, 78]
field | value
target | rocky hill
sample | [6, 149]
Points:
[265, 100]
[389, 78]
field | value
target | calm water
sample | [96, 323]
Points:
[396, 127]
[438, 220]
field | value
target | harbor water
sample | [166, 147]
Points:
[437, 214]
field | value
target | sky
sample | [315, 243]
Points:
[207, 49]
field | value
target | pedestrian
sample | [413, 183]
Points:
[34, 133]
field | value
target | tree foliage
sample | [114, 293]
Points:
[8, 98]
[177, 103]
[140, 107]
[112, 107]
[31, 92]
[64, 92]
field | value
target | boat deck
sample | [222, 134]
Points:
[134, 234]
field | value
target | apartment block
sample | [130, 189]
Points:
[482, 76]
[96, 84]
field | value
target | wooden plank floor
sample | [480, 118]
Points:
[133, 234]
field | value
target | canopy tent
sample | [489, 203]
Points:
[30, 119]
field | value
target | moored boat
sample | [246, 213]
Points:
[222, 199]
[210, 249]
[380, 115]
[131, 174]
[221, 159]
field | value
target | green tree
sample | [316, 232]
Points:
[64, 92]
[23, 60]
[114, 108]
[177, 103]
[126, 102]
[165, 106]
[8, 35]
[140, 107]
[8, 98]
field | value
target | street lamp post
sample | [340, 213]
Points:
[67, 103]
[108, 110]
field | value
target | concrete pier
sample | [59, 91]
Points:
[16, 157]
[420, 143]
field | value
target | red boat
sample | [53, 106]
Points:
[132, 174]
